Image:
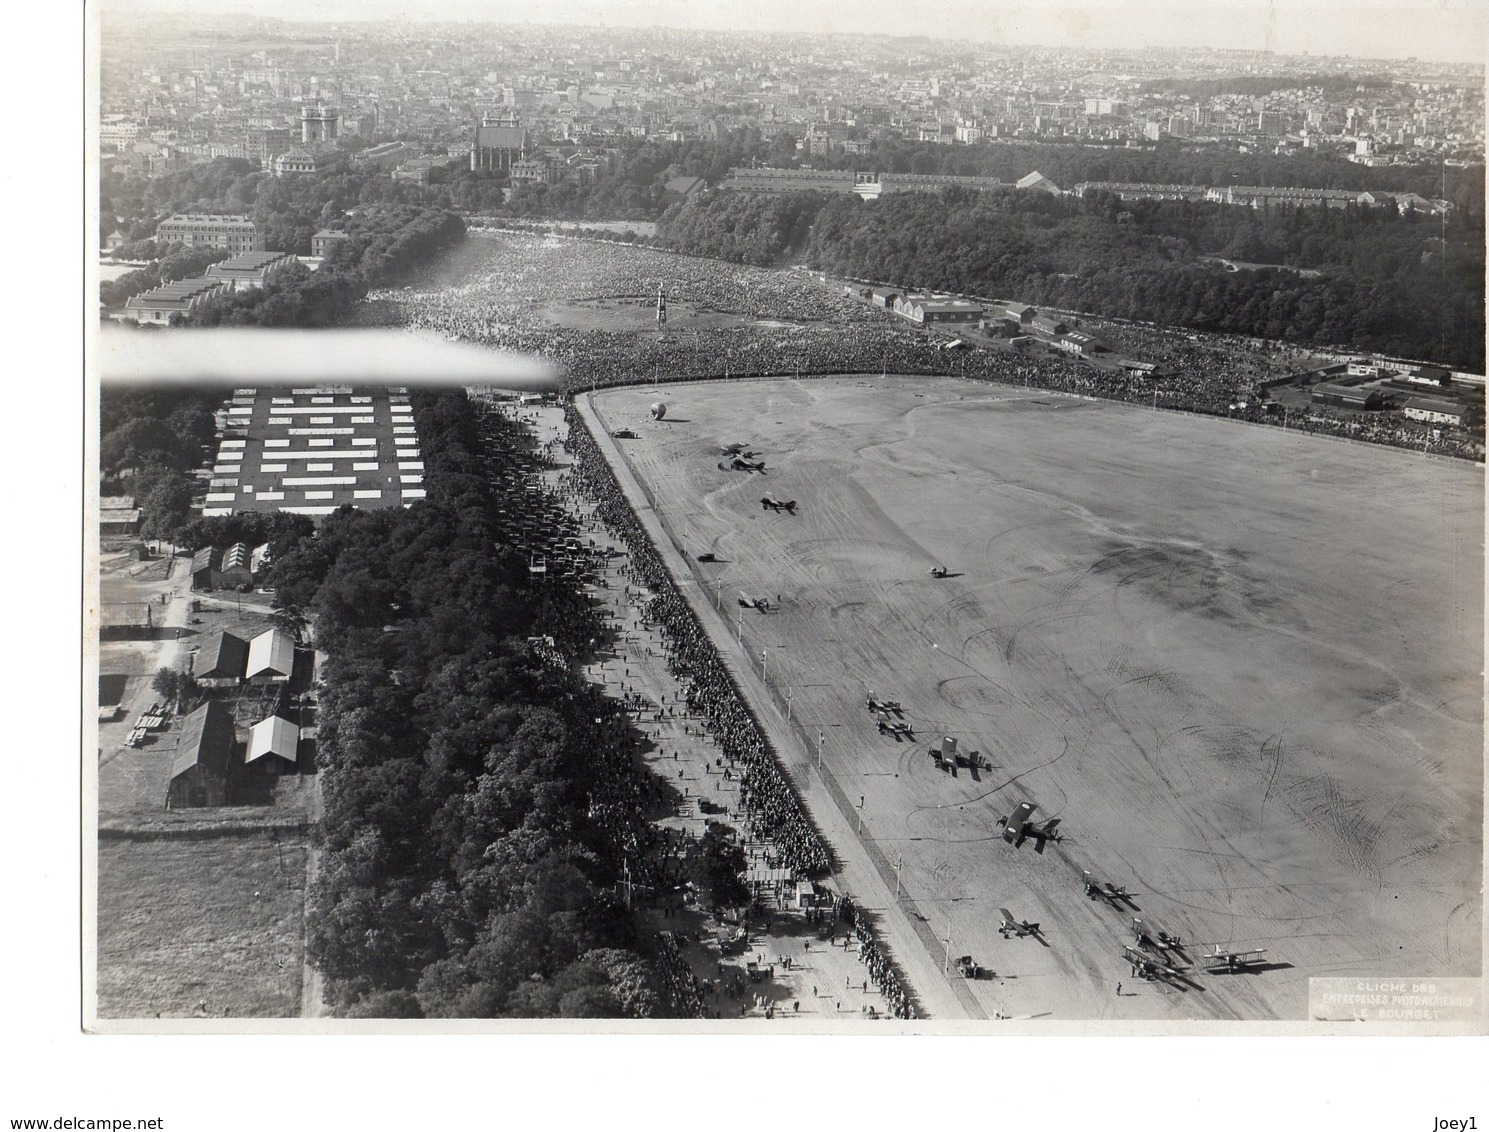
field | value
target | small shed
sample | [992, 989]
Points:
[273, 743]
[271, 657]
[204, 569]
[199, 772]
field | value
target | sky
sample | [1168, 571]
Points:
[1446, 30]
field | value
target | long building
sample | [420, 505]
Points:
[200, 230]
[844, 181]
[160, 305]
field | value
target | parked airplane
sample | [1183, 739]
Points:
[1231, 961]
[1020, 827]
[1009, 927]
[1156, 939]
[1109, 892]
[770, 503]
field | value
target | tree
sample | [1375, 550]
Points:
[717, 866]
[166, 684]
[165, 503]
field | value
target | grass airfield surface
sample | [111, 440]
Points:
[1241, 665]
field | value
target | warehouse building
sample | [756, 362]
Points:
[221, 661]
[159, 305]
[1346, 396]
[200, 771]
[273, 744]
[1431, 410]
[271, 658]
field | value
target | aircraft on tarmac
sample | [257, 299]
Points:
[1111, 893]
[1156, 939]
[1230, 962]
[882, 705]
[760, 603]
[740, 464]
[732, 449]
[1145, 966]
[937, 571]
[896, 727]
[770, 503]
[1011, 928]
[1021, 826]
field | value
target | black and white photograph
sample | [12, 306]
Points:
[785, 520]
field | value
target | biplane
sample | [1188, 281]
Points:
[1231, 961]
[1022, 826]
[938, 571]
[1011, 928]
[1145, 966]
[748, 602]
[1156, 939]
[770, 503]
[740, 464]
[731, 449]
[708, 556]
[885, 706]
[896, 727]
[1111, 893]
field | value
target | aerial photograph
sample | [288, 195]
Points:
[784, 519]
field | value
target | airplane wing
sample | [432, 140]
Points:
[1008, 919]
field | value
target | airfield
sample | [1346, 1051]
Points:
[1240, 665]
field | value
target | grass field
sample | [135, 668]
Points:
[186, 922]
[1241, 665]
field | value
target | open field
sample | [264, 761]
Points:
[1242, 665]
[182, 922]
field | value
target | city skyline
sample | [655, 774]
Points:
[1441, 32]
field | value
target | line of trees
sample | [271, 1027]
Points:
[1405, 285]
[462, 873]
[383, 245]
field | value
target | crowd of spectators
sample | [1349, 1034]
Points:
[770, 807]
[501, 288]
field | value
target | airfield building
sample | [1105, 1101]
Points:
[200, 770]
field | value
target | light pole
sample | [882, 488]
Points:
[946, 970]
[789, 693]
[898, 862]
[764, 653]
[860, 815]
[821, 738]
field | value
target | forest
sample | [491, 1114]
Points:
[462, 872]
[1405, 285]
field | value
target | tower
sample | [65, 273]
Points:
[317, 124]
[661, 308]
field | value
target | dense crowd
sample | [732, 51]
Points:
[497, 290]
[770, 806]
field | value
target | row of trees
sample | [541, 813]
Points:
[383, 245]
[176, 261]
[1399, 284]
[462, 872]
[753, 228]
